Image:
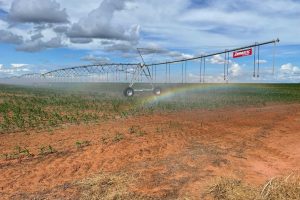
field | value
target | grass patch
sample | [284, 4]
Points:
[279, 188]
[106, 187]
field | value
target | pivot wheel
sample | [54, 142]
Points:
[157, 91]
[128, 92]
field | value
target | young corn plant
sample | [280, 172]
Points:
[19, 153]
[118, 137]
[137, 131]
[82, 144]
[47, 150]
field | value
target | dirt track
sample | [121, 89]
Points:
[170, 156]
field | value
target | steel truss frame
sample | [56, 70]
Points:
[142, 69]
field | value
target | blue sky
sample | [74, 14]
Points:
[42, 35]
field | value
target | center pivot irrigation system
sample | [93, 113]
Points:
[134, 71]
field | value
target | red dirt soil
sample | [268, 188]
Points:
[178, 156]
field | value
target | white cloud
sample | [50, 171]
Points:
[5, 4]
[182, 28]
[81, 40]
[99, 24]
[289, 68]
[178, 55]
[217, 59]
[15, 66]
[14, 69]
[124, 47]
[38, 45]
[96, 59]
[261, 61]
[235, 69]
[289, 72]
[72, 7]
[152, 50]
[37, 11]
[8, 37]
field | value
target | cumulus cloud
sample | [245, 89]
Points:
[289, 72]
[38, 45]
[99, 24]
[37, 11]
[81, 40]
[96, 59]
[37, 36]
[16, 66]
[8, 37]
[235, 69]
[289, 68]
[5, 4]
[14, 69]
[61, 29]
[217, 59]
[159, 51]
[178, 55]
[120, 26]
[124, 47]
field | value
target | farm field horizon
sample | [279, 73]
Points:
[87, 141]
[149, 100]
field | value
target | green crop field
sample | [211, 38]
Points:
[50, 106]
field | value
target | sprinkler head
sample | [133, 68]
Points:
[142, 65]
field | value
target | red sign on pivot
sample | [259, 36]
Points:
[242, 53]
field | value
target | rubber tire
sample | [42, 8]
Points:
[157, 91]
[129, 92]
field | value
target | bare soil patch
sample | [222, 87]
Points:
[159, 156]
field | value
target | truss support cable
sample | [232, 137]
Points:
[152, 69]
[254, 63]
[204, 69]
[169, 73]
[274, 53]
[109, 69]
[258, 61]
[185, 66]
[218, 53]
[225, 63]
[182, 72]
[200, 70]
[166, 81]
[149, 73]
[155, 72]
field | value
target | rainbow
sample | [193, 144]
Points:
[181, 89]
[170, 93]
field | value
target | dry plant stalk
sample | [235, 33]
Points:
[277, 188]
